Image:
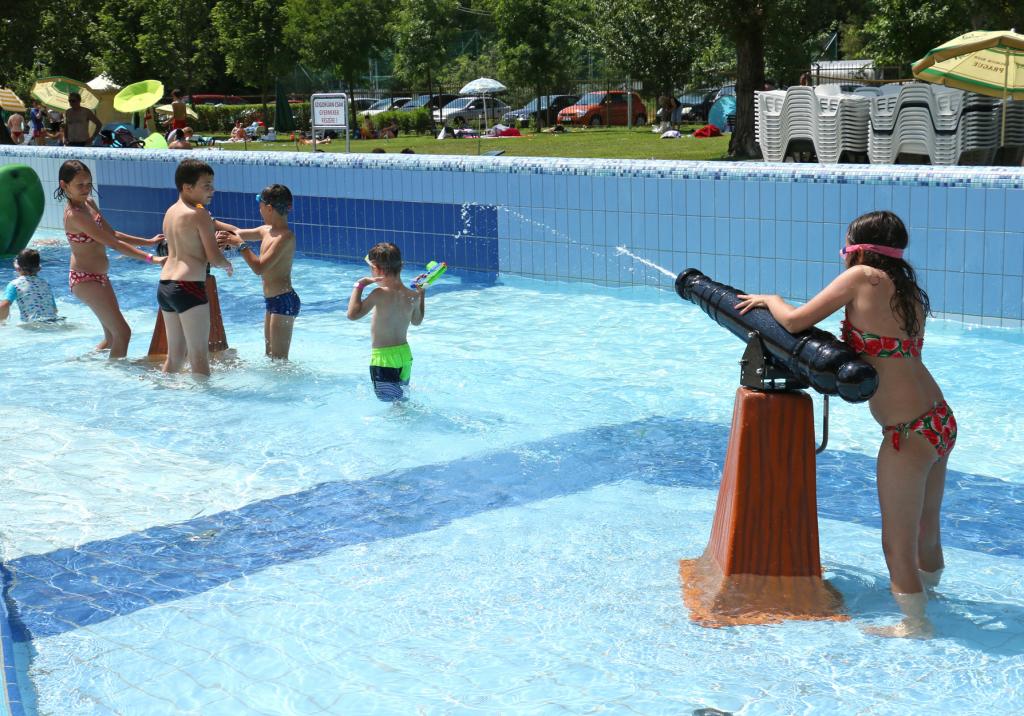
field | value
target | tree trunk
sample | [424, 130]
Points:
[539, 124]
[749, 78]
[430, 109]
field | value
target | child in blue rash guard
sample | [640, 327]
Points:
[31, 292]
[394, 307]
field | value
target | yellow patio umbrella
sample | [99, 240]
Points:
[166, 109]
[54, 91]
[139, 96]
[987, 62]
[9, 102]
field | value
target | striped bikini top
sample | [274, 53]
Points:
[84, 238]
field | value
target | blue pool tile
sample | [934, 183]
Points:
[736, 246]
[901, 202]
[766, 234]
[935, 247]
[954, 200]
[974, 251]
[1013, 255]
[708, 236]
[783, 239]
[798, 280]
[992, 295]
[1013, 287]
[973, 287]
[883, 197]
[798, 200]
[651, 195]
[768, 199]
[865, 198]
[995, 209]
[798, 234]
[1015, 210]
[766, 276]
[783, 201]
[993, 261]
[955, 260]
[665, 239]
[693, 197]
[678, 198]
[751, 199]
[952, 298]
[919, 196]
[737, 199]
[974, 208]
[722, 198]
[815, 202]
[815, 239]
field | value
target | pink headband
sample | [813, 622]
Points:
[890, 251]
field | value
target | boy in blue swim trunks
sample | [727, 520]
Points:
[273, 264]
[394, 307]
[31, 292]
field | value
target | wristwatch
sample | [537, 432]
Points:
[244, 247]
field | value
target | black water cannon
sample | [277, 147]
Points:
[776, 359]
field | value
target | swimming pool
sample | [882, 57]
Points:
[278, 541]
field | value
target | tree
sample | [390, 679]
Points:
[251, 36]
[646, 42]
[341, 35]
[423, 31]
[533, 41]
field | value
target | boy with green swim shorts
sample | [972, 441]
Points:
[394, 307]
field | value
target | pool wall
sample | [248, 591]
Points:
[761, 227]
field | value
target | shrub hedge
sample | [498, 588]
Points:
[220, 118]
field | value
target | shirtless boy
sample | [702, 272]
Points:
[191, 245]
[273, 264]
[394, 307]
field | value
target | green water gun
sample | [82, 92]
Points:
[434, 271]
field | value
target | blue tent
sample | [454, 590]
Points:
[721, 111]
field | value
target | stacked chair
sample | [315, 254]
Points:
[834, 122]
[943, 123]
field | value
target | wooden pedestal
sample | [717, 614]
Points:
[218, 339]
[762, 563]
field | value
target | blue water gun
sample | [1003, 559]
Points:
[434, 271]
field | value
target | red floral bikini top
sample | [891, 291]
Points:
[881, 346]
[84, 238]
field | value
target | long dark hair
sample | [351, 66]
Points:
[884, 228]
[68, 171]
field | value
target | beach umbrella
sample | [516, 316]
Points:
[9, 102]
[987, 62]
[483, 86]
[284, 121]
[167, 109]
[139, 96]
[54, 91]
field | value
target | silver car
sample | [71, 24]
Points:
[470, 110]
[388, 104]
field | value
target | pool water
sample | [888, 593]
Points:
[277, 541]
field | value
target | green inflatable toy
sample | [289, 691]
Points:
[21, 207]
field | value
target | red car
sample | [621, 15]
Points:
[611, 108]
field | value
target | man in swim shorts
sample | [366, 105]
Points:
[273, 263]
[394, 307]
[191, 245]
[77, 121]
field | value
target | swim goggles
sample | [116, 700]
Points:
[280, 207]
[889, 251]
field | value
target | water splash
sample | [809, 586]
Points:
[620, 250]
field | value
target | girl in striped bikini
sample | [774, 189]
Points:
[90, 235]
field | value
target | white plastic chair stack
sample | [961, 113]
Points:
[833, 121]
[916, 119]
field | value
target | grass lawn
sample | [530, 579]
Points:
[605, 142]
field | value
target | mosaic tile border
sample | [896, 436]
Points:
[11, 702]
[909, 175]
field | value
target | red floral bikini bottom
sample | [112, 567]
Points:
[938, 426]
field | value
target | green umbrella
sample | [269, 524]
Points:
[283, 119]
[139, 96]
[54, 91]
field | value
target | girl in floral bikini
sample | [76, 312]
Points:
[885, 315]
[89, 235]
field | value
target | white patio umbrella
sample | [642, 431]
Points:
[483, 86]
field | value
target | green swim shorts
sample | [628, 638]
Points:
[390, 370]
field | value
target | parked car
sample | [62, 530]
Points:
[597, 108]
[550, 106]
[428, 101]
[388, 104]
[470, 110]
[214, 99]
